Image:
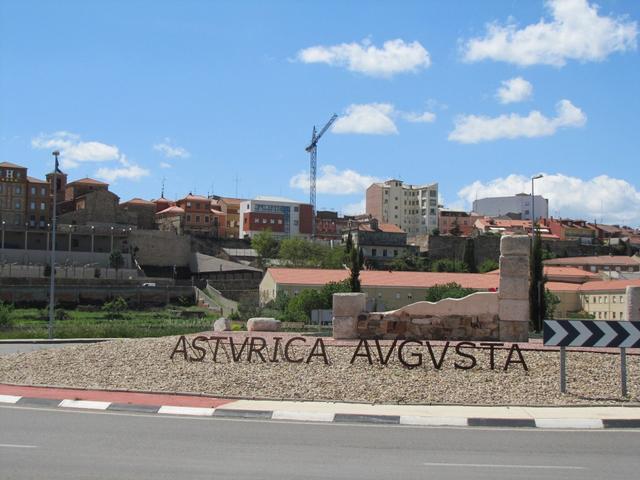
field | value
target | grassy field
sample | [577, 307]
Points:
[171, 320]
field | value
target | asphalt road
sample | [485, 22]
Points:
[55, 444]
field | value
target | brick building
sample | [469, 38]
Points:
[459, 220]
[201, 217]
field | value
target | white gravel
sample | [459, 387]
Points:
[144, 365]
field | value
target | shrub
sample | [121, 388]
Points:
[61, 314]
[6, 315]
[488, 266]
[447, 290]
[115, 308]
[97, 272]
[448, 265]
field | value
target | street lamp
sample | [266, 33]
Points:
[52, 284]
[533, 210]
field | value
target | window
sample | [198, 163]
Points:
[613, 299]
[395, 253]
[384, 252]
[295, 222]
[33, 190]
[621, 299]
[397, 296]
[43, 191]
[433, 193]
[197, 218]
[279, 222]
[257, 220]
[18, 205]
[188, 204]
[374, 252]
[32, 206]
[42, 206]
[8, 173]
[18, 189]
[295, 209]
[272, 221]
[206, 219]
[188, 218]
[264, 220]
[613, 315]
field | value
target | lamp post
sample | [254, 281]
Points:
[93, 232]
[52, 284]
[3, 224]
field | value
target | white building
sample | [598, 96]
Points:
[284, 218]
[413, 208]
[519, 204]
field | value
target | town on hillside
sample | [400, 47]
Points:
[243, 255]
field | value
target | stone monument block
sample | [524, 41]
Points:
[514, 310]
[263, 324]
[349, 304]
[515, 245]
[633, 304]
[514, 265]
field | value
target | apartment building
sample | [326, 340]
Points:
[231, 208]
[517, 206]
[567, 229]
[380, 243]
[200, 217]
[38, 204]
[283, 217]
[412, 208]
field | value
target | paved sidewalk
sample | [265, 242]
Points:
[338, 412]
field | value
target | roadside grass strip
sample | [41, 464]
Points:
[88, 404]
[194, 411]
[9, 399]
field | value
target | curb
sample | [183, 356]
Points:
[324, 417]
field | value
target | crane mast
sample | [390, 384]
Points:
[313, 168]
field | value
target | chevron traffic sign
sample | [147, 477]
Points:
[592, 333]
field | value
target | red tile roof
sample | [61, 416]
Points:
[138, 201]
[10, 165]
[378, 278]
[609, 285]
[382, 227]
[172, 209]
[87, 181]
[620, 260]
[36, 180]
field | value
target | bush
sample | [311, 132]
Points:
[115, 308]
[97, 272]
[447, 290]
[488, 266]
[249, 306]
[61, 314]
[6, 315]
[448, 265]
[581, 315]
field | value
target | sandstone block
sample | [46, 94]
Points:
[514, 331]
[633, 304]
[263, 324]
[222, 325]
[514, 265]
[516, 288]
[349, 304]
[515, 245]
[345, 327]
[514, 310]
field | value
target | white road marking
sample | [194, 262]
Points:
[569, 423]
[199, 411]
[303, 416]
[433, 421]
[9, 398]
[486, 465]
[84, 404]
[11, 445]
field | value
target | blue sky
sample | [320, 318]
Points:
[202, 92]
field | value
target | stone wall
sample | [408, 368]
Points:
[500, 316]
[161, 249]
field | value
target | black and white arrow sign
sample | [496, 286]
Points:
[592, 333]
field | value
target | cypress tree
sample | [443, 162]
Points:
[537, 303]
[470, 255]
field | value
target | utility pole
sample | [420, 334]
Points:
[52, 284]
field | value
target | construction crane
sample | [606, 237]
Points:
[313, 167]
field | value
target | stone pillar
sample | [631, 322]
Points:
[633, 304]
[346, 308]
[513, 294]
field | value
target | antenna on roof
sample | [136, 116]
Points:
[162, 190]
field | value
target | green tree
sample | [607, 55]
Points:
[116, 260]
[488, 266]
[409, 262]
[551, 302]
[447, 290]
[435, 232]
[349, 243]
[296, 251]
[332, 257]
[265, 245]
[6, 315]
[470, 255]
[537, 299]
[115, 308]
[448, 265]
[356, 264]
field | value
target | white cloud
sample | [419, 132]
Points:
[394, 57]
[73, 151]
[127, 171]
[357, 208]
[171, 151]
[334, 182]
[368, 118]
[611, 199]
[576, 32]
[165, 165]
[514, 90]
[475, 128]
[425, 117]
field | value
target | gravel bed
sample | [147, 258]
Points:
[144, 365]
